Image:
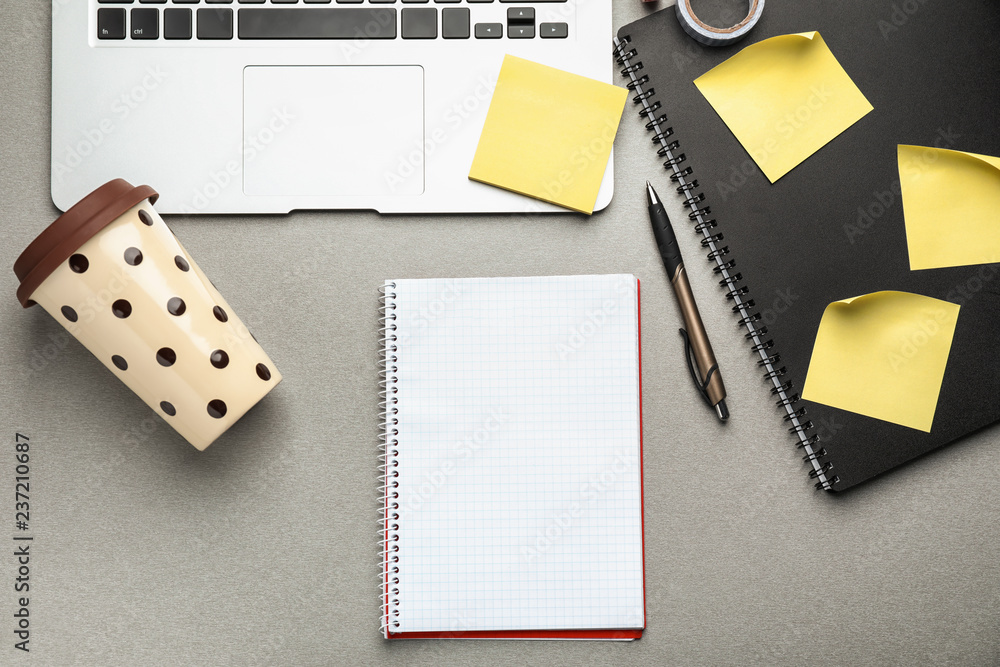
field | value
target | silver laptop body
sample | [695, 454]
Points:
[261, 106]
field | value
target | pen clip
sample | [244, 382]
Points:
[702, 387]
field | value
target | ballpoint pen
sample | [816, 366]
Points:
[697, 348]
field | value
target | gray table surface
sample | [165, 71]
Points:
[262, 549]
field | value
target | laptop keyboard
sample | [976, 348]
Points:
[320, 19]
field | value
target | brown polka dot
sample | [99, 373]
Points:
[217, 409]
[69, 314]
[146, 218]
[220, 359]
[182, 263]
[220, 314]
[120, 362]
[168, 408]
[133, 257]
[176, 306]
[263, 372]
[166, 356]
[79, 263]
[121, 308]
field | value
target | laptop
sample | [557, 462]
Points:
[270, 106]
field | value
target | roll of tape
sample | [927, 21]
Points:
[712, 36]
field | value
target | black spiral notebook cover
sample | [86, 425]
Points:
[833, 227]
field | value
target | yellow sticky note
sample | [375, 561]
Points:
[784, 98]
[883, 355]
[548, 134]
[944, 228]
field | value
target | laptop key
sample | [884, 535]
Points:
[553, 31]
[317, 23]
[177, 23]
[489, 30]
[420, 23]
[521, 31]
[110, 23]
[521, 15]
[215, 24]
[455, 23]
[145, 24]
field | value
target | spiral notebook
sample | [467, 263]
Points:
[511, 501]
[832, 228]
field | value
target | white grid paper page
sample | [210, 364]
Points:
[519, 454]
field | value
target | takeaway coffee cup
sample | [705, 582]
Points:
[112, 273]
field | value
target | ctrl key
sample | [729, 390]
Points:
[110, 23]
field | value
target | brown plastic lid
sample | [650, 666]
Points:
[72, 229]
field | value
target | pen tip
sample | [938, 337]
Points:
[651, 194]
[722, 410]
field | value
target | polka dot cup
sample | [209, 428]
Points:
[112, 273]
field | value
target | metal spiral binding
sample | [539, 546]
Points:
[388, 452]
[724, 267]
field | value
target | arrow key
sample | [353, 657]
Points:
[489, 30]
[553, 31]
[520, 15]
[521, 31]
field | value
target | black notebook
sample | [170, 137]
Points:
[784, 251]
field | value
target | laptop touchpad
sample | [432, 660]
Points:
[322, 131]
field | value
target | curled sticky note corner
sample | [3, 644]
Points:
[951, 201]
[784, 98]
[883, 355]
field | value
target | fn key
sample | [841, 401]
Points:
[110, 23]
